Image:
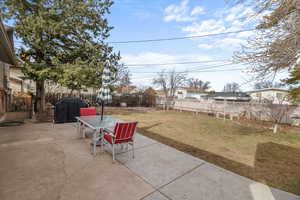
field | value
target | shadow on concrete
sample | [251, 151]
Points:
[275, 165]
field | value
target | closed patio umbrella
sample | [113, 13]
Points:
[104, 95]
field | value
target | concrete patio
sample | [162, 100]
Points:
[42, 162]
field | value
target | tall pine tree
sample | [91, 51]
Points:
[61, 35]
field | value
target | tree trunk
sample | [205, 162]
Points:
[275, 128]
[40, 96]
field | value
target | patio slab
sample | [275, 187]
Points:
[209, 182]
[54, 163]
[159, 164]
[155, 196]
[42, 162]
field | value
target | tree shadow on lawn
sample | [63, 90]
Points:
[275, 165]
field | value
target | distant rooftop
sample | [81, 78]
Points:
[268, 89]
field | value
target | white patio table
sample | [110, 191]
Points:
[97, 125]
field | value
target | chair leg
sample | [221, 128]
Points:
[83, 131]
[133, 150]
[102, 144]
[113, 152]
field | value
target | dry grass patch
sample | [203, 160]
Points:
[248, 150]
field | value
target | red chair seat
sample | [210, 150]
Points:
[88, 111]
[109, 139]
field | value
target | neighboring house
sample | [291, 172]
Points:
[190, 93]
[160, 94]
[17, 82]
[229, 96]
[20, 85]
[119, 91]
[7, 59]
[274, 95]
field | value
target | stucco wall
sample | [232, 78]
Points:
[271, 95]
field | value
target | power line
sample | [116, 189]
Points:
[204, 71]
[175, 63]
[194, 70]
[178, 38]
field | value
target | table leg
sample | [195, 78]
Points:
[78, 128]
[102, 140]
[94, 141]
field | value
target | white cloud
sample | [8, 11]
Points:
[227, 20]
[181, 12]
[217, 79]
[210, 26]
[197, 11]
[152, 57]
[205, 46]
[230, 43]
[139, 78]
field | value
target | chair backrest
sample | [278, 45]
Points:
[88, 111]
[125, 130]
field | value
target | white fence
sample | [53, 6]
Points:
[268, 112]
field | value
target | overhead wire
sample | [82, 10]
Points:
[174, 63]
[194, 69]
[178, 38]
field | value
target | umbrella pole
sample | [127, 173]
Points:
[102, 111]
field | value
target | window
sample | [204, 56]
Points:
[279, 95]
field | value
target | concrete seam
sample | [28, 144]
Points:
[178, 177]
[158, 189]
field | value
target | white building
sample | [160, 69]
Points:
[274, 95]
[189, 93]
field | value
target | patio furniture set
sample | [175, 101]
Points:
[106, 130]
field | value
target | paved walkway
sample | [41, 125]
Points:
[41, 162]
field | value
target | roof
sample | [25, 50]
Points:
[122, 90]
[229, 95]
[159, 92]
[7, 54]
[194, 90]
[8, 28]
[269, 89]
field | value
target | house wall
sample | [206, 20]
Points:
[183, 94]
[4, 73]
[276, 96]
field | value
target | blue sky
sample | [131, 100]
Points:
[152, 19]
[145, 19]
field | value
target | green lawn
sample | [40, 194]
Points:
[246, 149]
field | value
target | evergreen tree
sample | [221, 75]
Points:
[63, 41]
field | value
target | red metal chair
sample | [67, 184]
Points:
[123, 133]
[86, 112]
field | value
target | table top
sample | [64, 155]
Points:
[95, 122]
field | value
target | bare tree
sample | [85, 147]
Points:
[198, 84]
[276, 111]
[169, 82]
[125, 79]
[231, 87]
[267, 84]
[276, 44]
